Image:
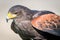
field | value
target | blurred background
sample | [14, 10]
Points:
[5, 31]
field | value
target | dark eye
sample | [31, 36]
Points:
[15, 13]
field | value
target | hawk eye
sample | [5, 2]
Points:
[15, 13]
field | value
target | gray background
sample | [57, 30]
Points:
[5, 31]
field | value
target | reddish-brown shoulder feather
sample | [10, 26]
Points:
[46, 21]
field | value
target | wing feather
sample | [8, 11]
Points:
[48, 23]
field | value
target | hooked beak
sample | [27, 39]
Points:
[10, 16]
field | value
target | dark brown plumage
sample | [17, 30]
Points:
[32, 24]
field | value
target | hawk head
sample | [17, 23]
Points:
[18, 11]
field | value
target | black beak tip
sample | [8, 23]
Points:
[6, 20]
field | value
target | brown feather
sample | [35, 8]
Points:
[46, 21]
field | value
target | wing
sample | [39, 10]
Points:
[42, 12]
[48, 22]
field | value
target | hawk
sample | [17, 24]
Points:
[34, 24]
